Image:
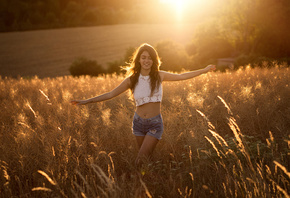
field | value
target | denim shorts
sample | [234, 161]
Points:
[151, 126]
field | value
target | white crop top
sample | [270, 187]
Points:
[142, 91]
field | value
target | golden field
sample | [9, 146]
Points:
[226, 135]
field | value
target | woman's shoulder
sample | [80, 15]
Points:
[162, 74]
[127, 81]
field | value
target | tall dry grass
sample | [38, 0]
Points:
[226, 135]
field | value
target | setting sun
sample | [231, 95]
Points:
[179, 6]
[186, 8]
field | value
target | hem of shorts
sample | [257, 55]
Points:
[147, 134]
[140, 135]
[153, 136]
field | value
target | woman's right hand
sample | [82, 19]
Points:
[79, 102]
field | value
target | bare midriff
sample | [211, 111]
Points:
[149, 110]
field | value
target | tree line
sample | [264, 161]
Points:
[17, 15]
[251, 31]
[20, 15]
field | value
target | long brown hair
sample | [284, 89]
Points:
[134, 68]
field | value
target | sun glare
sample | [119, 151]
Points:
[181, 6]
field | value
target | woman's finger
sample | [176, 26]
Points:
[74, 102]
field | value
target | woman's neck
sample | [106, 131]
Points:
[144, 72]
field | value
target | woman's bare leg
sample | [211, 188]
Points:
[148, 145]
[140, 140]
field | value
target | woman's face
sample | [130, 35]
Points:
[146, 61]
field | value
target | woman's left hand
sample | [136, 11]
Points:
[210, 68]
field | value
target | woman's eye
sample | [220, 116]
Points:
[144, 58]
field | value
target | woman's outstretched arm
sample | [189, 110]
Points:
[167, 76]
[106, 96]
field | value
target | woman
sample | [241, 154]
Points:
[145, 81]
